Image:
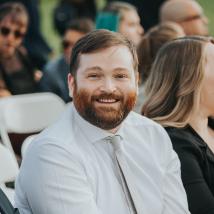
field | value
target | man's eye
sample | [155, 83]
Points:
[93, 75]
[120, 76]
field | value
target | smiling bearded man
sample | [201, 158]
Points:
[101, 157]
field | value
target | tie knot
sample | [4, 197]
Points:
[116, 142]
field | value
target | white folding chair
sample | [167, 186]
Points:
[28, 113]
[8, 171]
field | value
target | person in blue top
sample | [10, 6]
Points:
[55, 72]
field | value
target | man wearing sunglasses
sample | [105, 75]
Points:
[189, 14]
[55, 72]
[16, 73]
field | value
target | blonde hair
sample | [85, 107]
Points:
[152, 41]
[173, 87]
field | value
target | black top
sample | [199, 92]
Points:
[197, 168]
[19, 81]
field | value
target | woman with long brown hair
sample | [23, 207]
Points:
[180, 96]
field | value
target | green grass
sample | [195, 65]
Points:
[50, 34]
[208, 6]
[53, 39]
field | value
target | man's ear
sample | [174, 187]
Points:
[137, 81]
[70, 84]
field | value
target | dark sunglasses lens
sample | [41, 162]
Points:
[18, 34]
[65, 44]
[5, 31]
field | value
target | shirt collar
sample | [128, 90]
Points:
[93, 133]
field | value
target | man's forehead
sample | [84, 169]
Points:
[113, 57]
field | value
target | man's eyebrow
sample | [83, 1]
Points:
[94, 68]
[121, 69]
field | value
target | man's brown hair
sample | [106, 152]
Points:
[98, 40]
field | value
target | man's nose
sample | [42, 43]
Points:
[108, 86]
[11, 37]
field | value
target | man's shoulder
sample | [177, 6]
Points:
[61, 134]
[136, 119]
[150, 132]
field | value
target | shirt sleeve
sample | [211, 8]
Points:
[200, 197]
[52, 180]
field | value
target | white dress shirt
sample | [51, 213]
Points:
[70, 168]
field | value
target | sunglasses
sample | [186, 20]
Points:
[67, 44]
[5, 31]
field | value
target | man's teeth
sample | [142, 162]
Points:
[107, 100]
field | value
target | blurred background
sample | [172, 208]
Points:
[46, 10]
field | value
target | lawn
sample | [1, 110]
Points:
[53, 39]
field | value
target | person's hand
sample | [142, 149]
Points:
[4, 93]
[37, 75]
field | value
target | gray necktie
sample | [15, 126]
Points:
[125, 174]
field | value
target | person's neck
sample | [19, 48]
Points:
[199, 122]
[114, 130]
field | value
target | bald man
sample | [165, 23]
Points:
[188, 13]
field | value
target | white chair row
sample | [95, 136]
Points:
[8, 171]
[28, 113]
[23, 114]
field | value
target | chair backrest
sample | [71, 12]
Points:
[8, 171]
[8, 166]
[28, 113]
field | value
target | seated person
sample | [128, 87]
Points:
[180, 96]
[16, 73]
[100, 157]
[121, 17]
[67, 10]
[151, 42]
[188, 14]
[55, 72]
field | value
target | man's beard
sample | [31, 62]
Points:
[104, 116]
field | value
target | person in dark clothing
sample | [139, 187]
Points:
[66, 10]
[180, 96]
[17, 75]
[148, 11]
[37, 47]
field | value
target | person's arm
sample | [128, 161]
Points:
[200, 197]
[4, 93]
[47, 82]
[53, 181]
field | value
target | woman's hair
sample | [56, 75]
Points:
[152, 41]
[173, 87]
[16, 12]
